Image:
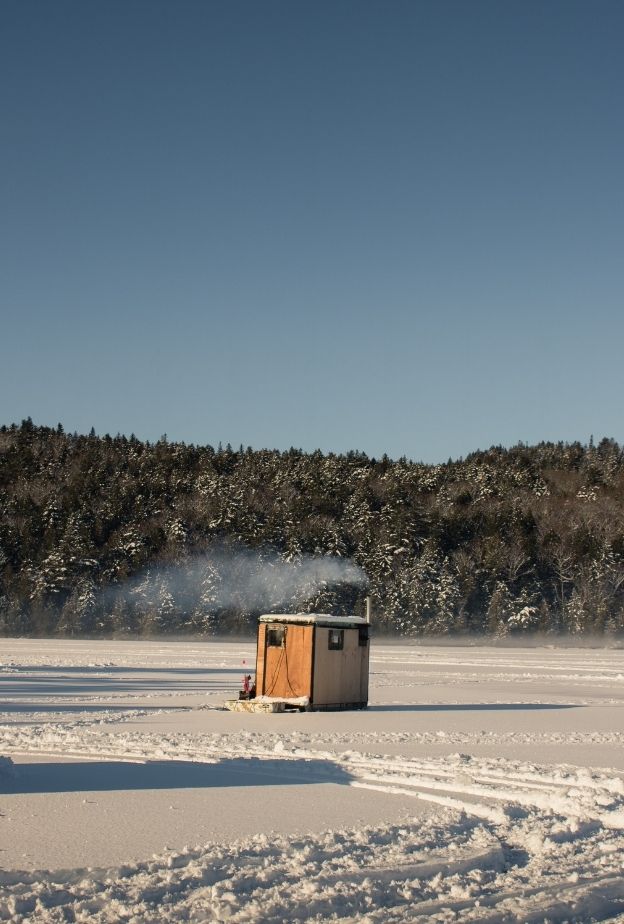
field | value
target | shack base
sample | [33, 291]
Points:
[268, 704]
[250, 705]
[296, 704]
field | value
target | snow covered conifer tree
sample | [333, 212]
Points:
[500, 610]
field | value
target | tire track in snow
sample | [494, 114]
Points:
[568, 791]
[509, 836]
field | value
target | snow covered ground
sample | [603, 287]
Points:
[483, 784]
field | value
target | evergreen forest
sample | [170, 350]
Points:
[112, 536]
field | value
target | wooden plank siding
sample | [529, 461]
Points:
[338, 676]
[260, 659]
[287, 671]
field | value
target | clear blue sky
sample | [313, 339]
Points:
[388, 226]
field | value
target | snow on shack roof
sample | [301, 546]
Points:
[316, 619]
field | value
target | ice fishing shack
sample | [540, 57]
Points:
[319, 659]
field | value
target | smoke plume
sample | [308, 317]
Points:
[244, 580]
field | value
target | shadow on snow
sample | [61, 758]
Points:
[102, 686]
[469, 707]
[113, 776]
[109, 669]
[104, 706]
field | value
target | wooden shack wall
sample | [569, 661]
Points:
[364, 670]
[260, 659]
[285, 671]
[340, 677]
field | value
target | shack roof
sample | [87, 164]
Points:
[316, 619]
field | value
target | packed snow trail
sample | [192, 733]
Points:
[505, 838]
[524, 841]
[571, 791]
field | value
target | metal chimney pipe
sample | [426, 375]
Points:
[369, 609]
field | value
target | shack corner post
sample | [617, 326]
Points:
[309, 662]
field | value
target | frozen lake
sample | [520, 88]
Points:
[482, 784]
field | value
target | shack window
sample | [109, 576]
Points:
[335, 641]
[363, 636]
[276, 636]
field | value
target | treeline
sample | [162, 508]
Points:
[103, 535]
